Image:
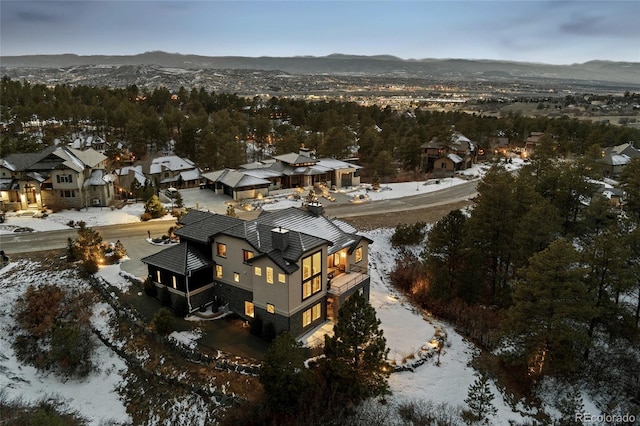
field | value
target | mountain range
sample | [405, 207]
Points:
[339, 64]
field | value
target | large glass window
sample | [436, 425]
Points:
[269, 270]
[311, 275]
[221, 249]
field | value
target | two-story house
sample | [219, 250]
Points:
[291, 267]
[444, 158]
[58, 177]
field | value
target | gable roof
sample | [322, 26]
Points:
[294, 159]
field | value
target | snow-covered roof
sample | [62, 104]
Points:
[90, 156]
[455, 158]
[98, 178]
[333, 164]
[171, 162]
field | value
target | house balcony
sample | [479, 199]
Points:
[345, 282]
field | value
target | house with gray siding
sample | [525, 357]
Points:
[292, 267]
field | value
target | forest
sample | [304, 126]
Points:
[214, 129]
[543, 273]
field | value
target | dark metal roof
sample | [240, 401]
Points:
[180, 259]
[303, 221]
[203, 230]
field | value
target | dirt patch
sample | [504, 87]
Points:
[391, 220]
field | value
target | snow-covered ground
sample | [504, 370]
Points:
[206, 200]
[409, 332]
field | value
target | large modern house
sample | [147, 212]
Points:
[292, 267]
[291, 170]
[58, 177]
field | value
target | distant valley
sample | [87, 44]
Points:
[304, 75]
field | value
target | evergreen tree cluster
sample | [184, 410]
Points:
[213, 128]
[326, 390]
[542, 264]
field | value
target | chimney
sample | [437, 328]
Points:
[280, 238]
[316, 208]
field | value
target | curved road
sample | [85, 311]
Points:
[133, 235]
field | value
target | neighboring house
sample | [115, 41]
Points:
[59, 177]
[129, 179]
[615, 158]
[283, 171]
[292, 267]
[532, 142]
[83, 141]
[446, 157]
[171, 171]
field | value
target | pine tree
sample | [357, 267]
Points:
[283, 374]
[551, 309]
[154, 207]
[178, 200]
[355, 360]
[479, 400]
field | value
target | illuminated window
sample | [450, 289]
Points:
[311, 314]
[247, 256]
[258, 271]
[218, 271]
[282, 278]
[358, 255]
[248, 309]
[269, 274]
[306, 318]
[221, 249]
[316, 311]
[311, 275]
[158, 280]
[174, 282]
[271, 309]
[236, 277]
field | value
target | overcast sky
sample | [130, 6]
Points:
[554, 32]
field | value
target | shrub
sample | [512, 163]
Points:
[407, 273]
[181, 308]
[149, 287]
[71, 349]
[154, 207]
[55, 330]
[163, 321]
[90, 267]
[408, 234]
[145, 217]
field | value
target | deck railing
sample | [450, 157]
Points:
[345, 282]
